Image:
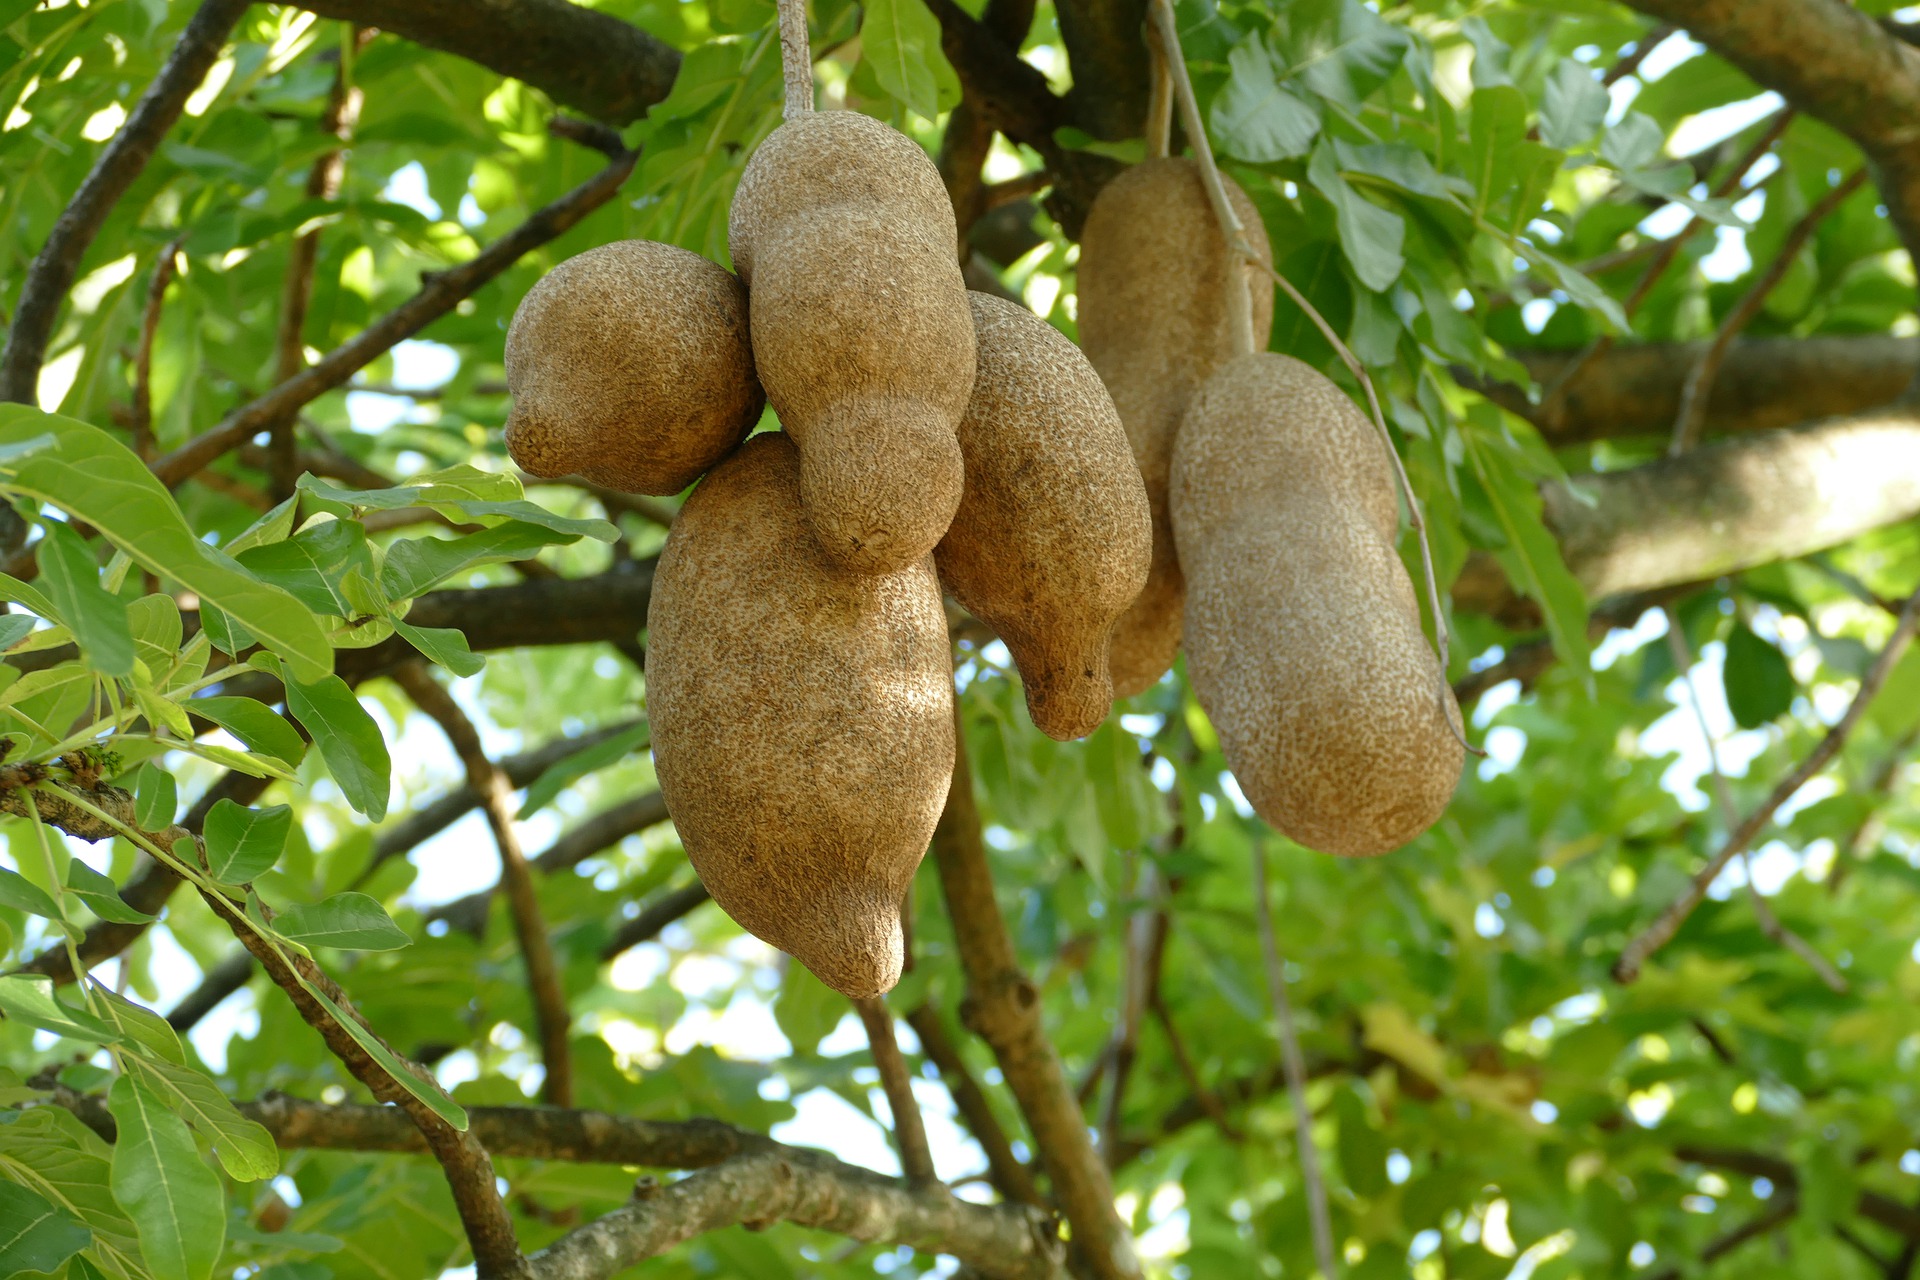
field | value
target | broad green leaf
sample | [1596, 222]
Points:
[254, 723]
[1254, 118]
[49, 1151]
[345, 922]
[348, 739]
[1371, 237]
[245, 1149]
[36, 600]
[13, 629]
[455, 484]
[270, 527]
[491, 513]
[1498, 128]
[97, 617]
[431, 1094]
[22, 894]
[414, 565]
[29, 997]
[443, 645]
[155, 623]
[313, 564]
[900, 40]
[1759, 682]
[177, 1204]
[1342, 57]
[140, 1025]
[1573, 107]
[34, 1235]
[558, 775]
[102, 895]
[95, 478]
[244, 843]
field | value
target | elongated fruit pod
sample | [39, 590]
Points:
[1052, 538]
[802, 720]
[629, 365]
[844, 235]
[1303, 630]
[1155, 277]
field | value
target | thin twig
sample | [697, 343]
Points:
[440, 292]
[1203, 1093]
[1159, 131]
[1296, 1066]
[1008, 1175]
[1854, 847]
[163, 273]
[342, 113]
[529, 924]
[1630, 62]
[1699, 384]
[1770, 924]
[1661, 931]
[119, 163]
[1777, 1215]
[909, 1131]
[655, 917]
[1146, 931]
[796, 59]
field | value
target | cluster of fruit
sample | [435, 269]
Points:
[799, 674]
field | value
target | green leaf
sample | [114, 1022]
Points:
[245, 1149]
[34, 1235]
[270, 527]
[562, 772]
[244, 843]
[94, 477]
[29, 997]
[443, 645]
[491, 513]
[22, 894]
[140, 1025]
[1254, 118]
[254, 723]
[14, 627]
[97, 617]
[431, 1094]
[345, 922]
[1342, 51]
[1498, 127]
[1370, 236]
[1573, 107]
[414, 565]
[102, 895]
[348, 739]
[437, 488]
[313, 564]
[1531, 556]
[900, 40]
[155, 623]
[177, 1204]
[1758, 680]
[49, 1151]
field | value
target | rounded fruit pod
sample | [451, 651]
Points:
[1303, 630]
[845, 235]
[1154, 298]
[630, 365]
[1052, 538]
[802, 720]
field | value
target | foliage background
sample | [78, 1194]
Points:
[1488, 1102]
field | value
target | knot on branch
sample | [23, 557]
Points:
[49, 798]
[1003, 1008]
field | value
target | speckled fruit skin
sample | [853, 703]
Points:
[802, 720]
[1154, 275]
[1303, 630]
[630, 365]
[845, 237]
[1052, 538]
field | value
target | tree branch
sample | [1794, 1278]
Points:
[591, 61]
[119, 163]
[142, 413]
[439, 293]
[1005, 1170]
[1628, 966]
[909, 1131]
[1003, 1008]
[548, 992]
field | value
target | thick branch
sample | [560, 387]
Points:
[1831, 61]
[580, 58]
[1003, 1007]
[1765, 384]
[119, 163]
[439, 293]
[1109, 61]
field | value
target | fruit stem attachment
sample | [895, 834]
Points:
[796, 58]
[1241, 304]
[1239, 294]
[1160, 104]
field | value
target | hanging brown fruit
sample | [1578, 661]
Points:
[802, 720]
[845, 236]
[629, 365]
[1302, 628]
[1155, 284]
[1052, 538]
